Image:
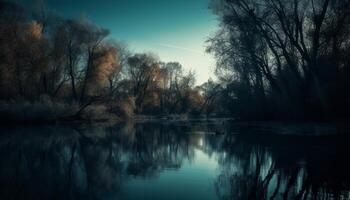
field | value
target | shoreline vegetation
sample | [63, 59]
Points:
[58, 113]
[58, 69]
[275, 62]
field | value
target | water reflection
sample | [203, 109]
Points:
[97, 162]
[284, 167]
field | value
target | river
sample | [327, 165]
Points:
[194, 160]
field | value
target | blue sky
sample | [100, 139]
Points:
[175, 30]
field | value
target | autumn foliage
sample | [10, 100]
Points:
[71, 62]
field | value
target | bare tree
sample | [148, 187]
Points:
[277, 46]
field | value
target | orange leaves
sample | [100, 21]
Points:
[34, 30]
[105, 64]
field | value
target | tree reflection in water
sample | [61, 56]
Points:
[95, 162]
[267, 166]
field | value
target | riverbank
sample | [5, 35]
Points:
[50, 113]
[46, 111]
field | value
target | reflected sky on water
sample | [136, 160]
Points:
[193, 160]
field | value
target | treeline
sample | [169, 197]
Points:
[282, 59]
[70, 67]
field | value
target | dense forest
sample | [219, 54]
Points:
[276, 59]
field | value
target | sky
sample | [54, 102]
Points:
[175, 30]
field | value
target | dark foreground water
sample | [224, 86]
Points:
[175, 161]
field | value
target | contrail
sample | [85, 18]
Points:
[181, 48]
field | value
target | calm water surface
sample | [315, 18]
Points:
[175, 161]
